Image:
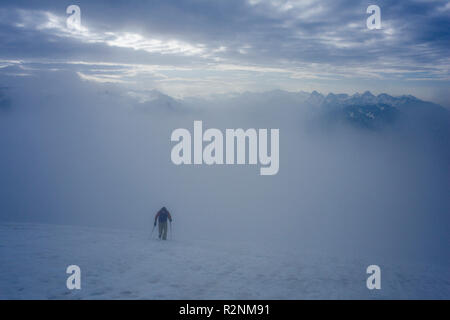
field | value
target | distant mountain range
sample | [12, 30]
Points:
[155, 97]
[367, 98]
[364, 110]
[370, 111]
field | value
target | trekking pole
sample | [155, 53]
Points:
[151, 235]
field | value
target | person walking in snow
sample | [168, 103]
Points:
[162, 216]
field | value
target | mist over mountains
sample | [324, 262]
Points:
[366, 111]
[359, 174]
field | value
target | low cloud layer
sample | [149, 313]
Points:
[97, 154]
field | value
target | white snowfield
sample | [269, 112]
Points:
[117, 264]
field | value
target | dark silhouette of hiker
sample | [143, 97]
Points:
[162, 216]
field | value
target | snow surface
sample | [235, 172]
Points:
[124, 264]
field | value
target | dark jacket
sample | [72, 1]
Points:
[162, 215]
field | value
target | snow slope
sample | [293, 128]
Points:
[123, 264]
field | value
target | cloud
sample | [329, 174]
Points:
[251, 43]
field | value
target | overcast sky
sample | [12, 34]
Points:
[193, 47]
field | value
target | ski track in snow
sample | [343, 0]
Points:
[122, 264]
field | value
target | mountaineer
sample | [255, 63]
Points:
[161, 216]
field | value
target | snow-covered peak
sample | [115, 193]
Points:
[315, 98]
